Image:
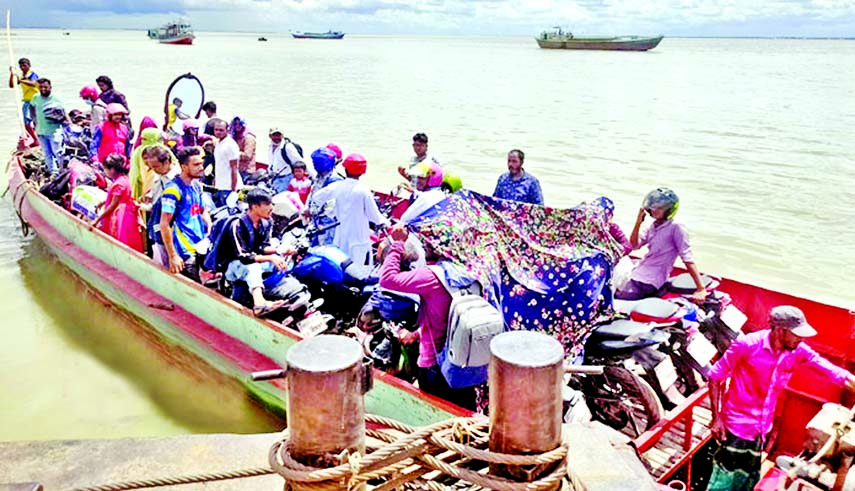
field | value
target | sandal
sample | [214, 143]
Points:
[267, 308]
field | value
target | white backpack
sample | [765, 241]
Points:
[472, 323]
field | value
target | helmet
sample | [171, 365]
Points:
[662, 198]
[335, 149]
[451, 183]
[355, 164]
[190, 123]
[324, 160]
[435, 178]
[422, 169]
[116, 108]
[89, 92]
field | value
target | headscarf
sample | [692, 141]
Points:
[140, 176]
[146, 123]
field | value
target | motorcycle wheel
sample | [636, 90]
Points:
[624, 401]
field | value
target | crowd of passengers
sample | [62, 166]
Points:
[159, 173]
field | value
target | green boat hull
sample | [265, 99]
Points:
[608, 44]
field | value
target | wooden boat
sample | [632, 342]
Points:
[670, 448]
[173, 33]
[317, 35]
[559, 39]
[191, 319]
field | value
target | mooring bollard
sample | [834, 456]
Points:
[326, 414]
[526, 373]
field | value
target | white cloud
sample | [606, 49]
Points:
[500, 17]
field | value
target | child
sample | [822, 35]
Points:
[300, 183]
[120, 217]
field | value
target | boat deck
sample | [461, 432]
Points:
[668, 446]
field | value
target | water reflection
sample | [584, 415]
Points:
[86, 370]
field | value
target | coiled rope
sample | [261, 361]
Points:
[412, 460]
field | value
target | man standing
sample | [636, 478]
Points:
[109, 94]
[759, 366]
[280, 169]
[226, 157]
[517, 184]
[420, 148]
[355, 209]
[210, 109]
[49, 119]
[28, 80]
[246, 143]
[184, 222]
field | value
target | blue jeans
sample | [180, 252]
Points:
[251, 274]
[29, 111]
[280, 183]
[52, 147]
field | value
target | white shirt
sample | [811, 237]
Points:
[354, 209]
[160, 181]
[225, 151]
[424, 201]
[278, 165]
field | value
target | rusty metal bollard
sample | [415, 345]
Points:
[526, 373]
[326, 413]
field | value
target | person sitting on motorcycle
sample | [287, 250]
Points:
[432, 321]
[665, 240]
[428, 177]
[355, 210]
[246, 249]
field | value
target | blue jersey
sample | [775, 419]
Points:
[185, 203]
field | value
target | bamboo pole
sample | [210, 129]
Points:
[17, 87]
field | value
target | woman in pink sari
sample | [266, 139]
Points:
[120, 217]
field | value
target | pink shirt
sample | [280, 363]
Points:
[302, 187]
[758, 375]
[664, 243]
[435, 301]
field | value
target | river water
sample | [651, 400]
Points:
[754, 135]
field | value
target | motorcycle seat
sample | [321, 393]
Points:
[612, 347]
[621, 329]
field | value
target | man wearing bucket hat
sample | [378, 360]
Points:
[759, 366]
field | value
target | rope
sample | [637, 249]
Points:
[25, 227]
[173, 481]
[415, 450]
[409, 458]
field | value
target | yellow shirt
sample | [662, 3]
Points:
[171, 115]
[27, 91]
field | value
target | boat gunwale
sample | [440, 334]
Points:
[24, 187]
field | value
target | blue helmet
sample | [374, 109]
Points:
[323, 160]
[662, 198]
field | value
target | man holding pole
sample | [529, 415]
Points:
[29, 88]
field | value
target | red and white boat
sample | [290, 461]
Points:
[173, 33]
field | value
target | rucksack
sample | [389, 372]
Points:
[285, 153]
[472, 324]
[219, 229]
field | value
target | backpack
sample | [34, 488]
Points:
[472, 324]
[219, 229]
[285, 153]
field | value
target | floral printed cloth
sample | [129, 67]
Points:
[546, 269]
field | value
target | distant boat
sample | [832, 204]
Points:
[558, 39]
[173, 33]
[317, 35]
[262, 38]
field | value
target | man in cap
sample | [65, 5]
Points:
[281, 150]
[759, 366]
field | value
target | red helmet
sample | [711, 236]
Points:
[89, 92]
[116, 108]
[336, 150]
[355, 164]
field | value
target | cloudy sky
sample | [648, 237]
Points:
[819, 18]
